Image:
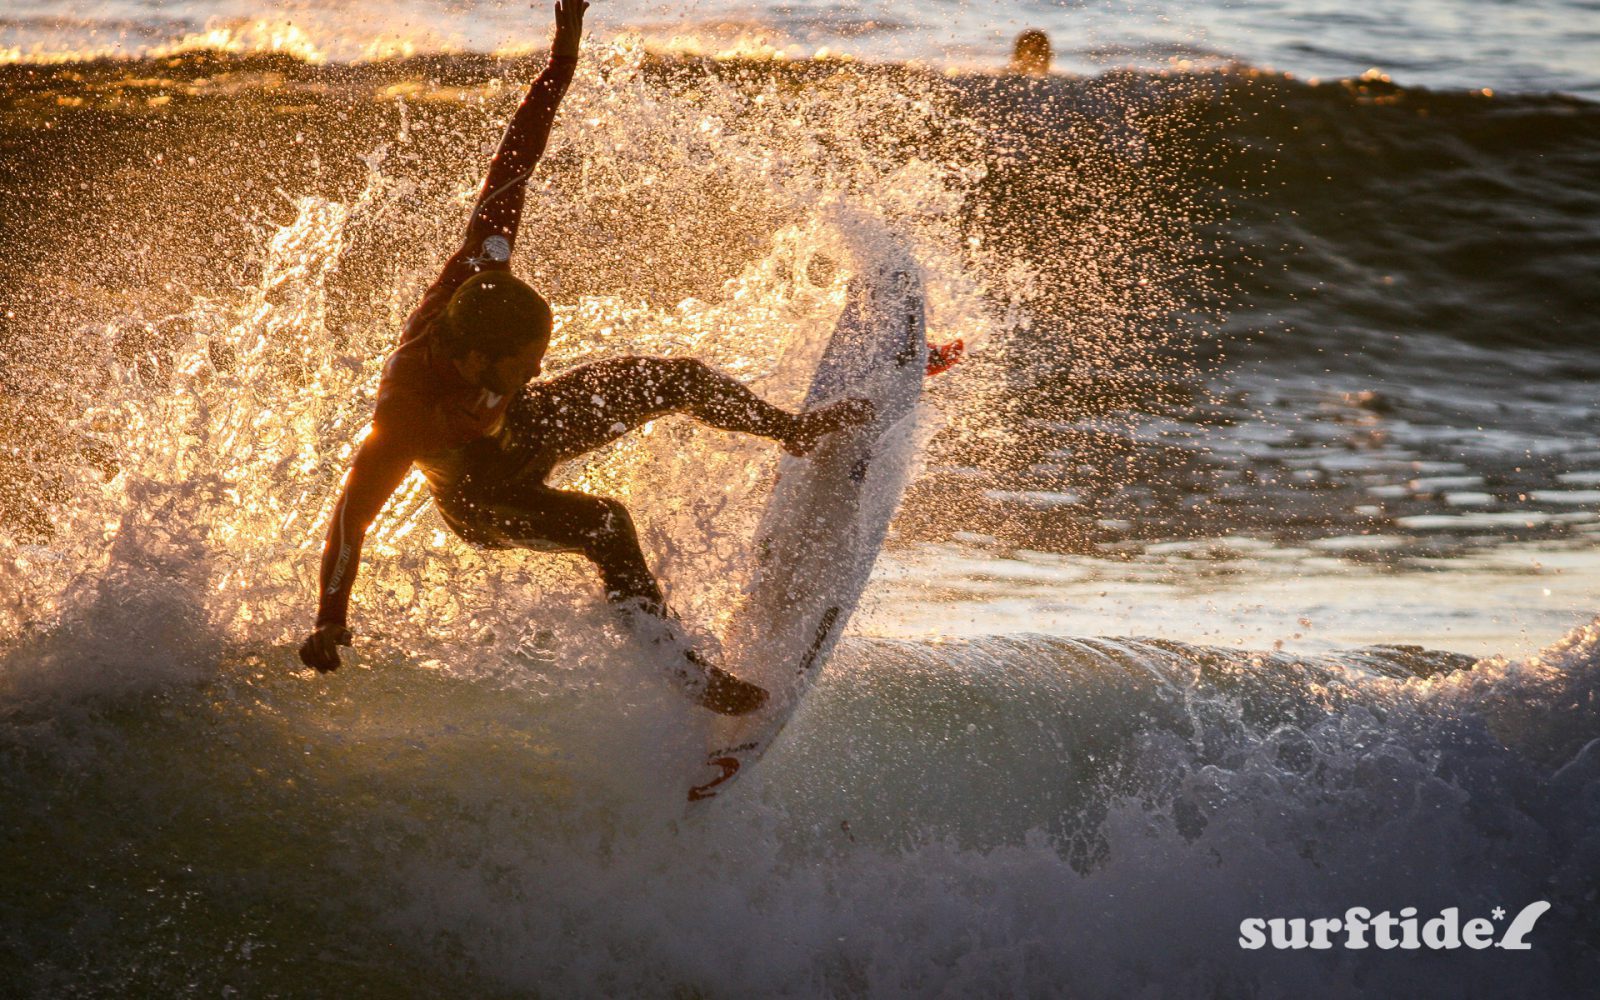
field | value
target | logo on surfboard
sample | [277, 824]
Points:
[726, 761]
[824, 626]
[729, 766]
[913, 340]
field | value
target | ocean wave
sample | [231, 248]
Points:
[1379, 247]
[213, 250]
[1006, 814]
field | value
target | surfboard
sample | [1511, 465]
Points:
[820, 532]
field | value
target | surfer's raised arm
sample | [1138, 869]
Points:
[492, 229]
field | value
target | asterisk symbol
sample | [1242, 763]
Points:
[1499, 913]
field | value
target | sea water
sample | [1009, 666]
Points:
[1248, 573]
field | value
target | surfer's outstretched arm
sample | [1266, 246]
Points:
[379, 467]
[492, 230]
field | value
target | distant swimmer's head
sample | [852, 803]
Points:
[1031, 53]
[496, 328]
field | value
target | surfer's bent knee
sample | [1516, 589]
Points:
[614, 523]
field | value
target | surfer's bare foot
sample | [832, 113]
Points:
[813, 426]
[728, 695]
[725, 693]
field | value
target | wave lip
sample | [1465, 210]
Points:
[1527, 56]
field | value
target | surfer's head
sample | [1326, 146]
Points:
[1031, 53]
[496, 328]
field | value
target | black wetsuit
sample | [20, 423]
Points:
[486, 456]
[502, 500]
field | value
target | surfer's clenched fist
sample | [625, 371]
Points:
[320, 651]
[569, 28]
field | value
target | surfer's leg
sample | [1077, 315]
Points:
[601, 528]
[717, 399]
[580, 410]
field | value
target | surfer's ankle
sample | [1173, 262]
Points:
[814, 425]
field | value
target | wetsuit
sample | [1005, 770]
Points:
[486, 456]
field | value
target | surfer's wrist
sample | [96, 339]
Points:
[339, 628]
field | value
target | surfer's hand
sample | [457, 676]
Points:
[569, 27]
[320, 651]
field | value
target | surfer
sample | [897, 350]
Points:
[457, 400]
[1030, 54]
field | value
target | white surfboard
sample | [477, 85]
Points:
[827, 517]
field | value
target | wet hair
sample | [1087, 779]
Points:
[1031, 53]
[494, 314]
